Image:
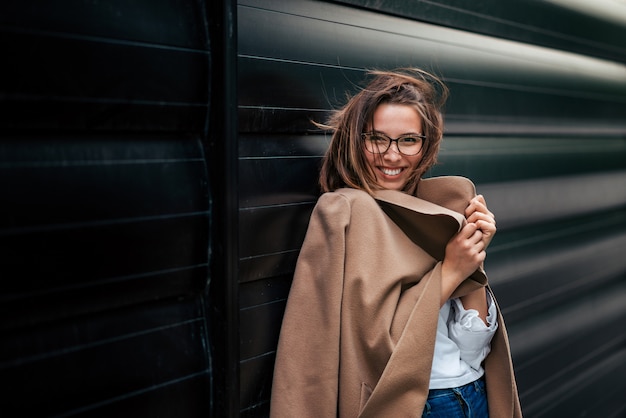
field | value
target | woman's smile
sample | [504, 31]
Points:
[391, 172]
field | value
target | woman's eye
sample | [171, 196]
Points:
[380, 139]
[409, 140]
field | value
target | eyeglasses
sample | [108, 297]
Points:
[379, 143]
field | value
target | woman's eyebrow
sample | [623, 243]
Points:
[404, 134]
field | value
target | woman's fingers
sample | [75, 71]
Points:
[478, 208]
[477, 213]
[481, 216]
[472, 242]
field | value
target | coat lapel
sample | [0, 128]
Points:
[428, 225]
[432, 218]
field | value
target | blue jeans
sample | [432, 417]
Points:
[469, 401]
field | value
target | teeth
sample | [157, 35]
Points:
[391, 172]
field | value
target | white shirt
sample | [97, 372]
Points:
[462, 343]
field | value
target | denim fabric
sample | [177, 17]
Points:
[469, 401]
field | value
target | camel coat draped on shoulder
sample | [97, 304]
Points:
[358, 334]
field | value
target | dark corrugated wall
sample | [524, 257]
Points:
[105, 207]
[536, 118]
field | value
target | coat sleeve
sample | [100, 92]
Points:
[307, 360]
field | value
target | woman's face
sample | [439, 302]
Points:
[392, 168]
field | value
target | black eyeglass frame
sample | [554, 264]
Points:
[365, 136]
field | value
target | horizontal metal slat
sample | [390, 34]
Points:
[525, 202]
[165, 22]
[103, 359]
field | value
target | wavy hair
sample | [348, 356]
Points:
[344, 164]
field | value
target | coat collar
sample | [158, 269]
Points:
[432, 218]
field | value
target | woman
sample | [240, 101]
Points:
[389, 313]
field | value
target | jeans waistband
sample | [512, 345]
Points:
[433, 393]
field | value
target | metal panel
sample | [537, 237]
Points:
[536, 119]
[105, 210]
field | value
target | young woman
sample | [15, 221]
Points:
[389, 313]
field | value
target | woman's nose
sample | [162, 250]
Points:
[393, 152]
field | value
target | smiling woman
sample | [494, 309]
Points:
[361, 303]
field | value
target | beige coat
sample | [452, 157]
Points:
[358, 334]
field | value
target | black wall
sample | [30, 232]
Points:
[106, 207]
[158, 166]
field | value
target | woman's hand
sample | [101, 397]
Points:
[477, 213]
[465, 252]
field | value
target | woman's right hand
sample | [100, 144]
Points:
[465, 252]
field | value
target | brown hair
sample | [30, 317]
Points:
[344, 164]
